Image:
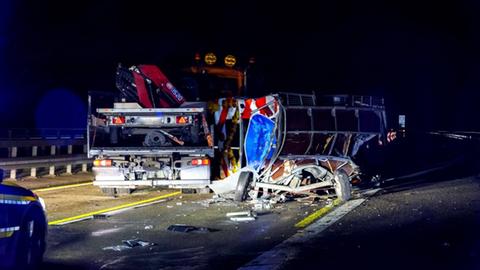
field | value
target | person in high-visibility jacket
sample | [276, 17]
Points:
[23, 227]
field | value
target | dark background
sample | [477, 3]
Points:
[421, 56]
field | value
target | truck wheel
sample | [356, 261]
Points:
[342, 185]
[242, 186]
[109, 191]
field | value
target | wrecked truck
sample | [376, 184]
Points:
[297, 145]
[286, 143]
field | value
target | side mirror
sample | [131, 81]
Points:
[1, 175]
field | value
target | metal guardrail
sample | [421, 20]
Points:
[43, 133]
[43, 161]
[51, 141]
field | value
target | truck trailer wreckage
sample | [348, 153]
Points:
[284, 144]
[292, 146]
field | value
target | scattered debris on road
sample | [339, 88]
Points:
[128, 244]
[188, 228]
[242, 216]
[242, 213]
[117, 248]
[262, 205]
[138, 243]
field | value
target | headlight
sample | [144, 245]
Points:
[42, 202]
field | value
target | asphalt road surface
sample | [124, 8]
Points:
[227, 246]
[428, 223]
[425, 224]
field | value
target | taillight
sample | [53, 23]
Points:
[200, 161]
[102, 163]
[183, 120]
[118, 120]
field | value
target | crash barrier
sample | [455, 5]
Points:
[54, 150]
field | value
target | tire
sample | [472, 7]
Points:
[31, 240]
[109, 191]
[343, 188]
[242, 186]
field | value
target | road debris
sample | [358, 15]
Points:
[148, 227]
[242, 218]
[138, 243]
[249, 213]
[128, 244]
[188, 228]
[261, 205]
[216, 199]
[117, 248]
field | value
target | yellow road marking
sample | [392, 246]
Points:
[317, 214]
[62, 187]
[119, 207]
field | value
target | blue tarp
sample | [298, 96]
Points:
[259, 141]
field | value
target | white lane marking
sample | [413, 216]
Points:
[291, 247]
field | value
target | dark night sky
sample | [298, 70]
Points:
[422, 57]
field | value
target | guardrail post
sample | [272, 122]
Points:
[69, 166]
[13, 151]
[13, 154]
[33, 171]
[51, 171]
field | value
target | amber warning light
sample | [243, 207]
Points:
[102, 163]
[198, 162]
